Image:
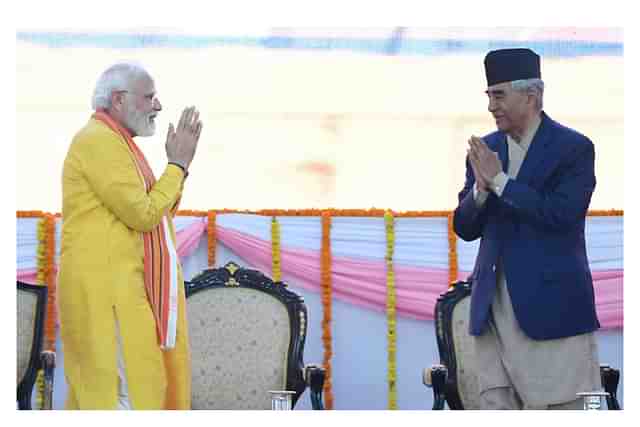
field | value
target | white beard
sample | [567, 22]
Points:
[140, 124]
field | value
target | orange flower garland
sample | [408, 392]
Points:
[612, 212]
[325, 286]
[29, 214]
[52, 314]
[191, 213]
[373, 212]
[211, 238]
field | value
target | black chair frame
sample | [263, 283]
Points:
[25, 388]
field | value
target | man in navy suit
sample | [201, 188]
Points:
[526, 195]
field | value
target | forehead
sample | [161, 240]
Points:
[500, 88]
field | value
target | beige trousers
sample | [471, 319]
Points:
[516, 372]
[501, 398]
[123, 390]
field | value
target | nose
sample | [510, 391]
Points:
[492, 105]
[157, 105]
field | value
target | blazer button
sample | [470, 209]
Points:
[493, 267]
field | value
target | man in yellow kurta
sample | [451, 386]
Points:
[121, 295]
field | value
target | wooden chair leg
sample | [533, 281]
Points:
[436, 378]
[610, 379]
[314, 376]
[48, 364]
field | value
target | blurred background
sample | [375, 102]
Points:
[315, 117]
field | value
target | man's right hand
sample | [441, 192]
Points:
[481, 183]
[182, 142]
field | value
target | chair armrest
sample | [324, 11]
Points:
[314, 377]
[436, 377]
[48, 359]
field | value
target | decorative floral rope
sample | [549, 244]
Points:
[275, 250]
[211, 238]
[51, 279]
[453, 251]
[192, 213]
[325, 286]
[611, 212]
[29, 214]
[46, 276]
[41, 280]
[391, 310]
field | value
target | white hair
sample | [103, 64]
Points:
[118, 77]
[533, 86]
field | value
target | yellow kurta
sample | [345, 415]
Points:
[105, 210]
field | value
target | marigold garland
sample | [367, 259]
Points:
[453, 250]
[211, 238]
[40, 389]
[46, 276]
[391, 310]
[325, 286]
[192, 213]
[611, 212]
[373, 212]
[29, 214]
[50, 324]
[41, 280]
[41, 252]
[275, 250]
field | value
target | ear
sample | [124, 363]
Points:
[531, 97]
[117, 99]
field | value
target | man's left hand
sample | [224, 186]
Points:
[487, 163]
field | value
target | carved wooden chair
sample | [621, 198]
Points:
[454, 380]
[247, 338]
[31, 309]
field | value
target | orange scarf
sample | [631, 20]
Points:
[160, 257]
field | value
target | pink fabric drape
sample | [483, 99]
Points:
[363, 282]
[28, 275]
[187, 240]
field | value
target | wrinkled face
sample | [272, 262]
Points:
[141, 106]
[510, 108]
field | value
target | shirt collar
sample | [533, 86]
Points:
[526, 139]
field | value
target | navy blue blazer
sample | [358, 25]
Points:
[537, 227]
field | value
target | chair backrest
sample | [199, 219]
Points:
[31, 306]
[247, 337]
[455, 347]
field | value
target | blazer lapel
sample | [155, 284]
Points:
[503, 153]
[536, 155]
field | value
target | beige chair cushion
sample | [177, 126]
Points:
[239, 340]
[465, 359]
[26, 319]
